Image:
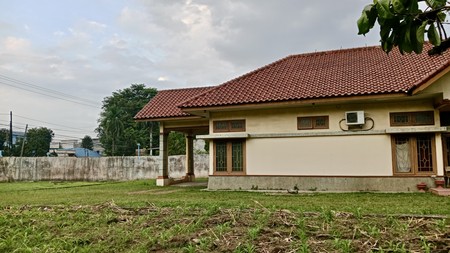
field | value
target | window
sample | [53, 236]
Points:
[229, 157]
[229, 126]
[412, 118]
[315, 122]
[413, 154]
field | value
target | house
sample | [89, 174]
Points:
[345, 120]
[76, 152]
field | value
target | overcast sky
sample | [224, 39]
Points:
[89, 48]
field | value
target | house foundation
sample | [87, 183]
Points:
[313, 183]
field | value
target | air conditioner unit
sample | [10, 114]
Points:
[354, 118]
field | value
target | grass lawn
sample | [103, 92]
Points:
[137, 216]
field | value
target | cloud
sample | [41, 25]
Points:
[14, 44]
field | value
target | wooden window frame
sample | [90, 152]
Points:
[413, 150]
[229, 170]
[229, 126]
[411, 118]
[313, 122]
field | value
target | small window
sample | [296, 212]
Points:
[229, 126]
[315, 122]
[412, 118]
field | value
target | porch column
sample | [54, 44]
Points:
[190, 176]
[439, 155]
[163, 175]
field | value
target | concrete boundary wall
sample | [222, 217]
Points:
[95, 169]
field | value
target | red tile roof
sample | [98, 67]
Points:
[164, 104]
[339, 73]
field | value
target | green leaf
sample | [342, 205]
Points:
[433, 35]
[383, 8]
[416, 41]
[367, 19]
[436, 3]
[398, 6]
[363, 24]
[441, 16]
[420, 33]
[413, 7]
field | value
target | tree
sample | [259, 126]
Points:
[118, 132]
[4, 134]
[87, 142]
[37, 142]
[404, 23]
[176, 143]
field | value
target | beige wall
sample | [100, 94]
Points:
[328, 156]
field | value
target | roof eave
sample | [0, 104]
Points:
[169, 118]
[430, 80]
[290, 103]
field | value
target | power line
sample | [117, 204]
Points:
[52, 123]
[10, 79]
[47, 92]
[49, 95]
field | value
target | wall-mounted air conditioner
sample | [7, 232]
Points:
[354, 118]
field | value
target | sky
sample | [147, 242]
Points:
[59, 59]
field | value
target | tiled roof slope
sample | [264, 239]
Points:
[339, 73]
[164, 104]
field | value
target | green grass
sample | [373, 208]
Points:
[138, 216]
[140, 193]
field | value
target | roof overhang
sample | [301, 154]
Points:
[204, 111]
[162, 119]
[430, 81]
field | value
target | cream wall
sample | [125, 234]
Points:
[276, 147]
[367, 155]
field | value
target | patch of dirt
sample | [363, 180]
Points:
[258, 229]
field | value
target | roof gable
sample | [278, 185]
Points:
[164, 104]
[339, 73]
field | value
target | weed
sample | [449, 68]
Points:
[426, 246]
[223, 228]
[205, 243]
[253, 233]
[373, 230]
[357, 213]
[190, 248]
[441, 224]
[396, 247]
[245, 248]
[327, 215]
[344, 246]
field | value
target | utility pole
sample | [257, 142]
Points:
[24, 139]
[10, 134]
